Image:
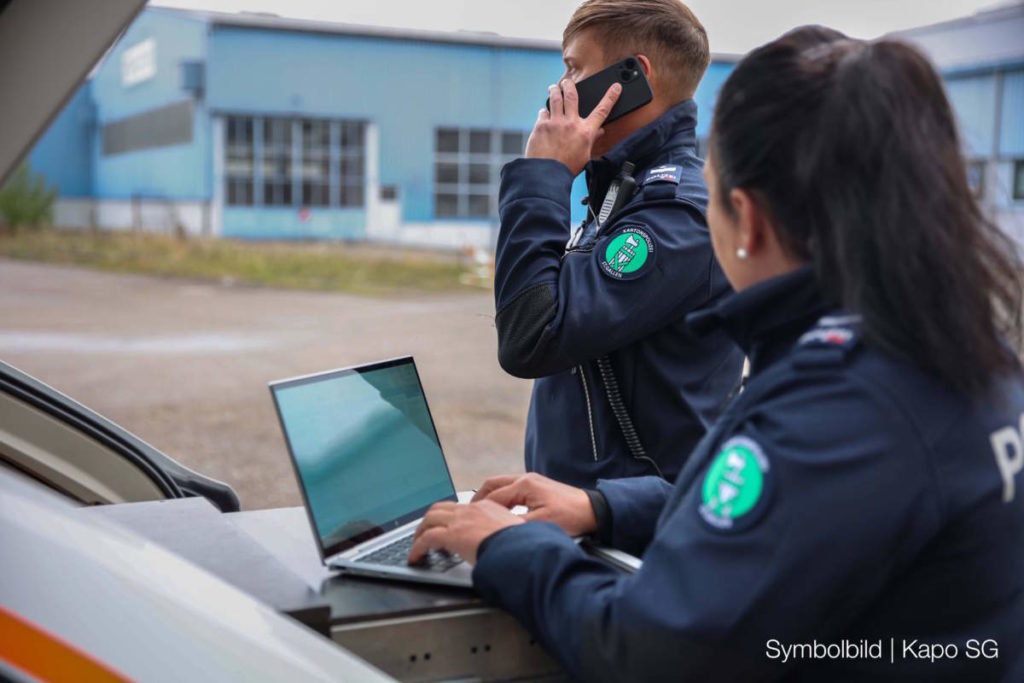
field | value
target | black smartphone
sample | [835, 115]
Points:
[636, 91]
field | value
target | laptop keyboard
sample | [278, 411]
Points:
[396, 554]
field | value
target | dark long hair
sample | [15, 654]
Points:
[853, 149]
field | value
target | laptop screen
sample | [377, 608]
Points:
[365, 450]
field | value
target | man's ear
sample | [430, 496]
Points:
[645, 64]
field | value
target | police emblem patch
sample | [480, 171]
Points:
[734, 485]
[627, 254]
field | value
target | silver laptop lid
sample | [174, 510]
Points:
[364, 448]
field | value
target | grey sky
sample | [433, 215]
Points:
[733, 25]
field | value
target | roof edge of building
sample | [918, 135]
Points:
[278, 23]
[995, 13]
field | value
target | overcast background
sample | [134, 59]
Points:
[734, 26]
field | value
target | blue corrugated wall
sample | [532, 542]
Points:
[64, 153]
[179, 172]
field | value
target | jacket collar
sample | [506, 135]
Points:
[766, 319]
[670, 133]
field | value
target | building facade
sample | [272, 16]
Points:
[258, 127]
[981, 58]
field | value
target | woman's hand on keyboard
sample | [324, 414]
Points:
[459, 529]
[546, 500]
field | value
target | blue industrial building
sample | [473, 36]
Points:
[258, 127]
[981, 58]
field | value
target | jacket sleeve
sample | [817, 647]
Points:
[555, 312]
[635, 504]
[845, 508]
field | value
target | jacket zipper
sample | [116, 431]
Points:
[590, 411]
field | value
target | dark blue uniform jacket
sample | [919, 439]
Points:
[890, 509]
[558, 310]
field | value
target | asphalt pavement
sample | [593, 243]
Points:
[185, 365]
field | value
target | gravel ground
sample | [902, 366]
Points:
[184, 365]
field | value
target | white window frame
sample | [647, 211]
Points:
[463, 189]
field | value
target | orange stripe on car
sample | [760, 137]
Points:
[43, 655]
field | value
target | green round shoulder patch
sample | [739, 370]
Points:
[627, 254]
[736, 481]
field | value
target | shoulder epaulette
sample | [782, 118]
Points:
[829, 342]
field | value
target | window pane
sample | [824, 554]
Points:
[1018, 180]
[446, 172]
[239, 130]
[352, 195]
[240, 192]
[446, 205]
[314, 194]
[480, 173]
[351, 168]
[277, 132]
[315, 136]
[351, 164]
[479, 205]
[447, 140]
[353, 134]
[316, 169]
[238, 166]
[277, 162]
[464, 185]
[239, 161]
[480, 141]
[277, 167]
[512, 143]
[270, 167]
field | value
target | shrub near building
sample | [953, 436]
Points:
[26, 201]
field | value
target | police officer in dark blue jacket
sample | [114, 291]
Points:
[623, 388]
[857, 512]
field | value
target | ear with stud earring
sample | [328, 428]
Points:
[741, 253]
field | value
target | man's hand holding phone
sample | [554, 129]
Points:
[561, 134]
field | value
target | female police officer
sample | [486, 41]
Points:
[857, 511]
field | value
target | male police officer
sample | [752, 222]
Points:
[623, 389]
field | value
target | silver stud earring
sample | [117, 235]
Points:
[741, 253]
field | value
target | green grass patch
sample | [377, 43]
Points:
[358, 269]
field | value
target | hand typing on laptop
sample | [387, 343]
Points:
[545, 500]
[462, 528]
[459, 528]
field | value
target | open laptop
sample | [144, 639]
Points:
[369, 464]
